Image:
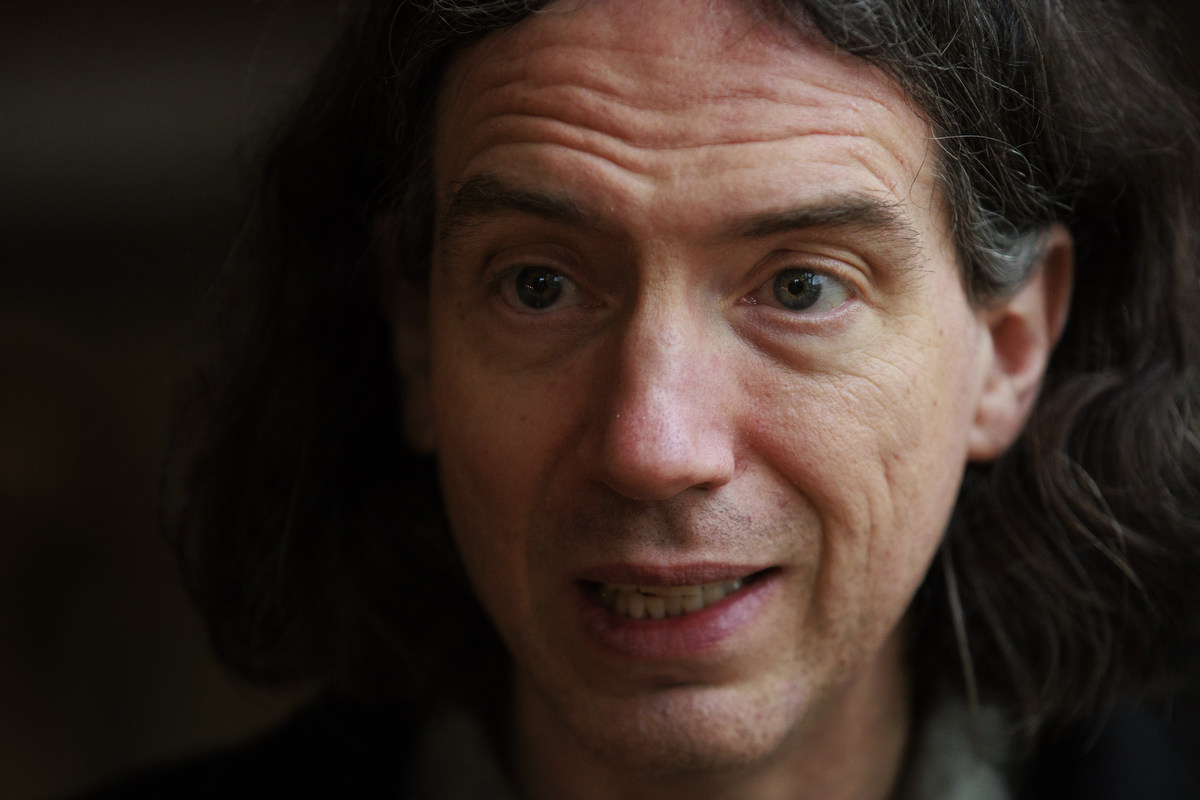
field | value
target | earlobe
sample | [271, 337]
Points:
[406, 309]
[1022, 332]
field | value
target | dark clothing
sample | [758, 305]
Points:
[329, 749]
[1132, 756]
[339, 749]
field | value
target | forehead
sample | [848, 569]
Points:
[653, 94]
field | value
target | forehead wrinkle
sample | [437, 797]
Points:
[646, 114]
[601, 102]
[626, 128]
[546, 67]
[640, 158]
[878, 213]
[552, 71]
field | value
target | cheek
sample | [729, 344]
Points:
[499, 449]
[499, 441]
[470, 450]
[871, 443]
[877, 447]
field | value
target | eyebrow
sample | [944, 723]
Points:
[852, 211]
[483, 196]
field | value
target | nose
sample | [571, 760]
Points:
[661, 424]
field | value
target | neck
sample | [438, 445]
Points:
[852, 748]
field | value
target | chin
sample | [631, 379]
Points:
[683, 731]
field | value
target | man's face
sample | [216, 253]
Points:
[695, 324]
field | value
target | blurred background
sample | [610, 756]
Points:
[123, 126]
[122, 129]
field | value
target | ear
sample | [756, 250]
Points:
[1021, 333]
[407, 311]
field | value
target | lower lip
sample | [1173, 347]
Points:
[685, 636]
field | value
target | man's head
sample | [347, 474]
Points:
[714, 292]
[695, 316]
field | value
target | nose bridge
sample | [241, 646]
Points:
[661, 429]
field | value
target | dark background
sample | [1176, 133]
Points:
[122, 128]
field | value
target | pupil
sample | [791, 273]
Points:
[538, 287]
[797, 289]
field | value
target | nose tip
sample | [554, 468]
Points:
[663, 429]
[653, 457]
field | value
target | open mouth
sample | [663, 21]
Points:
[665, 602]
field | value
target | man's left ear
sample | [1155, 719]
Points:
[1022, 332]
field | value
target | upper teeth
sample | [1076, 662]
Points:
[659, 602]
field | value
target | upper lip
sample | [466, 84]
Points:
[669, 574]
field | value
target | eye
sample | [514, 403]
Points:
[799, 289]
[538, 289]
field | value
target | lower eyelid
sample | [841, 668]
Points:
[783, 326]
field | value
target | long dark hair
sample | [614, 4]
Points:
[314, 540]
